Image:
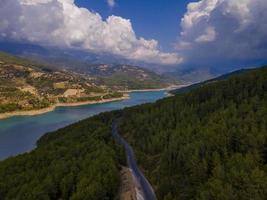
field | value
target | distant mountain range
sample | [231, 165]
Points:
[90, 63]
[191, 75]
[81, 61]
[67, 57]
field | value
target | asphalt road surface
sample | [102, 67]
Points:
[142, 183]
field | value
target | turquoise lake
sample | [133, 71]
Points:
[19, 134]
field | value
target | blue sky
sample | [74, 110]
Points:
[157, 19]
[179, 33]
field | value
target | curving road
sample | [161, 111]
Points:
[145, 190]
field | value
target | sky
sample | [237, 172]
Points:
[165, 32]
[146, 17]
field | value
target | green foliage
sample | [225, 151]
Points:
[9, 107]
[19, 100]
[209, 143]
[197, 85]
[113, 95]
[77, 162]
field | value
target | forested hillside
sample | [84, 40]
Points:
[77, 162]
[127, 77]
[201, 84]
[207, 144]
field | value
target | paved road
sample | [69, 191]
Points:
[143, 185]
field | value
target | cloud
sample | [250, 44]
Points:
[111, 3]
[61, 23]
[223, 30]
[208, 36]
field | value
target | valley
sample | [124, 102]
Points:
[19, 134]
[29, 88]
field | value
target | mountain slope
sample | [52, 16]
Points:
[129, 77]
[122, 77]
[208, 143]
[77, 162]
[25, 85]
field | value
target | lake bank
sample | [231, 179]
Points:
[53, 107]
[172, 87]
[19, 134]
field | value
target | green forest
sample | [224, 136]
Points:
[209, 143]
[77, 162]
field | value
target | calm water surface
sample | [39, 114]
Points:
[19, 134]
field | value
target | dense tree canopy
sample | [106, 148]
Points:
[78, 162]
[209, 143]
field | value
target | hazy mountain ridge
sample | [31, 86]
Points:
[91, 63]
[127, 77]
[191, 75]
[119, 76]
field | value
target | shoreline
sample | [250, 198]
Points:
[172, 87]
[53, 107]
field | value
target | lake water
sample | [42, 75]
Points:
[19, 134]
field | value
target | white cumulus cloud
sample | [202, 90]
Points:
[217, 30]
[208, 36]
[61, 23]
